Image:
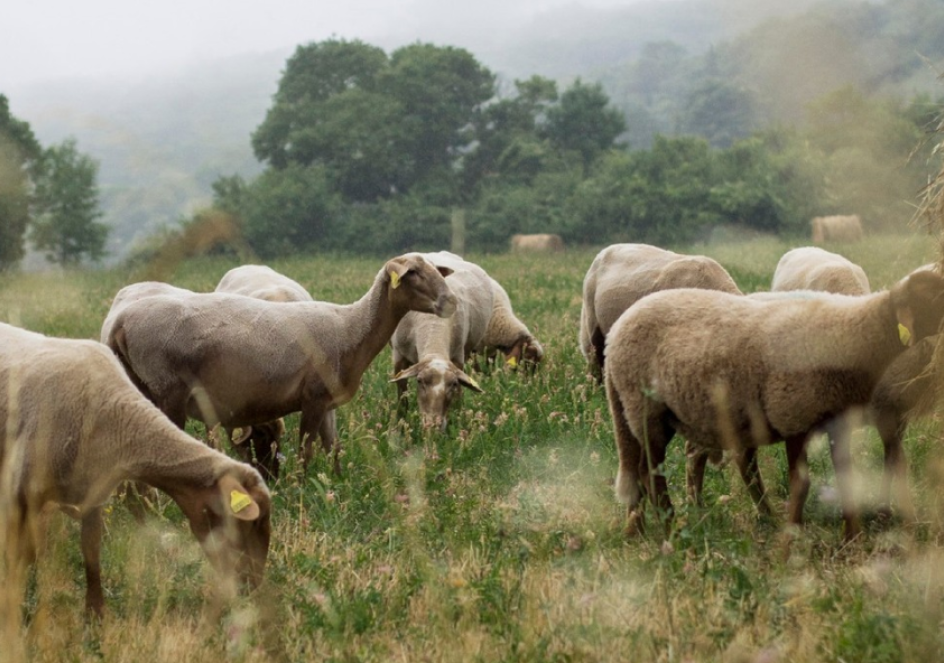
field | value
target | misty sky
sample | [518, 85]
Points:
[51, 39]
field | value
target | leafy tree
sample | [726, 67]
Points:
[287, 211]
[441, 90]
[315, 73]
[65, 226]
[720, 111]
[20, 155]
[377, 125]
[584, 122]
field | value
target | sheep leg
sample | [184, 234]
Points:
[628, 485]
[658, 435]
[695, 471]
[91, 544]
[310, 427]
[895, 469]
[842, 465]
[750, 472]
[799, 477]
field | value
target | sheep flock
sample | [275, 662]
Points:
[675, 344]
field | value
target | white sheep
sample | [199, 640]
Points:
[434, 351]
[239, 361]
[507, 334]
[622, 274]
[262, 282]
[136, 292]
[73, 426]
[813, 268]
[259, 444]
[742, 372]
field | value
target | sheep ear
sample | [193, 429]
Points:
[396, 270]
[406, 373]
[905, 324]
[445, 271]
[236, 500]
[469, 383]
[244, 434]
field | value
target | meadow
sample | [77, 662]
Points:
[501, 539]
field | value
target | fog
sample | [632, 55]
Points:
[41, 40]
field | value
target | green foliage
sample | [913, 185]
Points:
[20, 154]
[287, 210]
[584, 122]
[67, 207]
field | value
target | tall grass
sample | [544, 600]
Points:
[501, 539]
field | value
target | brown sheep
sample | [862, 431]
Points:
[622, 274]
[73, 426]
[742, 372]
[240, 361]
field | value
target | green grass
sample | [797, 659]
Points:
[501, 540]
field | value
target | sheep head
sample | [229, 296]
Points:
[230, 519]
[918, 300]
[525, 352]
[418, 285]
[438, 382]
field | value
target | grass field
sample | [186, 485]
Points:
[500, 540]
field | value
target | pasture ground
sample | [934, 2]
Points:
[500, 540]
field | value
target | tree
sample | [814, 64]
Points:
[67, 207]
[584, 122]
[20, 154]
[719, 111]
[315, 73]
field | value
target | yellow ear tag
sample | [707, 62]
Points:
[394, 280]
[904, 334]
[512, 362]
[238, 501]
[474, 383]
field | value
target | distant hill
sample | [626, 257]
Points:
[161, 140]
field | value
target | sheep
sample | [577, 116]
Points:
[508, 334]
[262, 282]
[545, 243]
[622, 274]
[900, 396]
[838, 228]
[73, 426]
[240, 361]
[136, 292]
[434, 350]
[813, 268]
[724, 370]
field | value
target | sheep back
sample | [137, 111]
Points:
[813, 268]
[622, 274]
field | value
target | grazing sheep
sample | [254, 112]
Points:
[509, 335]
[72, 427]
[742, 372]
[434, 350]
[240, 361]
[262, 282]
[813, 268]
[136, 292]
[259, 444]
[622, 274]
[836, 228]
[540, 243]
